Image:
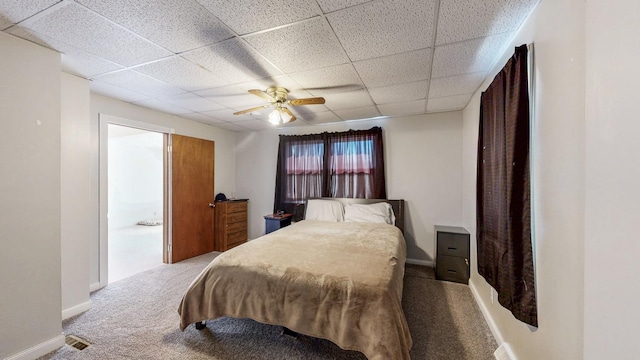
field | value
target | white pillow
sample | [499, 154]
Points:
[381, 212]
[324, 210]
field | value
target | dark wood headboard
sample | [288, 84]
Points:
[397, 205]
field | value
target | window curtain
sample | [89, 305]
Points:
[505, 256]
[346, 164]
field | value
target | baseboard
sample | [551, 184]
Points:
[75, 310]
[420, 262]
[503, 352]
[485, 312]
[43, 348]
[95, 286]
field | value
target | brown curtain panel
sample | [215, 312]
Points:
[347, 164]
[505, 257]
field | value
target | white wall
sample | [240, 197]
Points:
[612, 293]
[29, 199]
[136, 186]
[422, 161]
[557, 29]
[76, 201]
[225, 157]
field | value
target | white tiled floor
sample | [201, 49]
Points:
[134, 249]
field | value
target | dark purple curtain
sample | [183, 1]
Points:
[347, 164]
[505, 257]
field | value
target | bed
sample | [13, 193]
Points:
[336, 280]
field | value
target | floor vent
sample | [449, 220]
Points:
[76, 342]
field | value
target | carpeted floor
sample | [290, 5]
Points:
[136, 318]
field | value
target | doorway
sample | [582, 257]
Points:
[135, 201]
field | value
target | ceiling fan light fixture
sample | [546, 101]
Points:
[278, 116]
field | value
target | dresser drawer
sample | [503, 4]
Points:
[452, 268]
[235, 237]
[453, 244]
[236, 217]
[237, 226]
[236, 206]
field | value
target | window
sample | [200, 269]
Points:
[343, 164]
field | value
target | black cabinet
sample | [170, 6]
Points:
[452, 258]
[274, 222]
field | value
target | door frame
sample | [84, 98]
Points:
[103, 223]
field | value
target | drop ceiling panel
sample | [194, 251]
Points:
[395, 69]
[83, 29]
[163, 106]
[315, 81]
[399, 93]
[176, 25]
[115, 92]
[345, 100]
[230, 126]
[12, 12]
[358, 113]
[227, 115]
[192, 102]
[247, 16]
[257, 125]
[469, 19]
[74, 60]
[181, 73]
[333, 5]
[456, 85]
[303, 46]
[316, 117]
[200, 117]
[471, 56]
[384, 27]
[139, 83]
[403, 108]
[449, 103]
[233, 60]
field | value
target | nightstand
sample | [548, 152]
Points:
[452, 258]
[274, 222]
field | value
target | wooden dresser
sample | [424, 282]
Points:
[230, 224]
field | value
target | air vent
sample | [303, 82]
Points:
[76, 342]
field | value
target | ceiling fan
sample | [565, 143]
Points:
[277, 96]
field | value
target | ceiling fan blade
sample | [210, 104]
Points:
[251, 110]
[263, 95]
[293, 117]
[307, 101]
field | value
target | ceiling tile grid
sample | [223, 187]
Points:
[303, 46]
[12, 12]
[74, 60]
[176, 25]
[455, 85]
[181, 73]
[83, 29]
[395, 69]
[399, 93]
[233, 61]
[384, 27]
[140, 83]
[460, 20]
[468, 56]
[198, 58]
[248, 16]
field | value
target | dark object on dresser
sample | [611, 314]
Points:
[452, 259]
[274, 222]
[230, 224]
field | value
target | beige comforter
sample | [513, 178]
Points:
[337, 281]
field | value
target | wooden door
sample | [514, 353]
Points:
[192, 164]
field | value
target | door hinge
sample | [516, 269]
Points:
[169, 148]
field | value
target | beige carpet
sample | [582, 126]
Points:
[136, 318]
